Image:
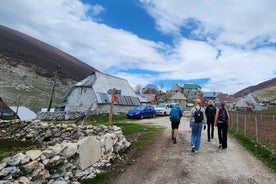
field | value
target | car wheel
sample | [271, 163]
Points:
[142, 116]
[165, 113]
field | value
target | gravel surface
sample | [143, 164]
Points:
[165, 162]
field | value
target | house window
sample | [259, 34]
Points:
[104, 98]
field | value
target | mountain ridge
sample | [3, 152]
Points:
[26, 50]
[251, 89]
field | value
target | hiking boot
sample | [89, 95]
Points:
[174, 140]
[193, 149]
[220, 146]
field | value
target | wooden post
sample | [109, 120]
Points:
[53, 89]
[111, 107]
[245, 125]
[257, 133]
[237, 122]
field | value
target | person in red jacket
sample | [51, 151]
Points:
[222, 119]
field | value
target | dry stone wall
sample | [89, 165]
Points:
[65, 153]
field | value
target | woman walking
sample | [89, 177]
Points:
[197, 120]
[222, 120]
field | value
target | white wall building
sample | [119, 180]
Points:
[95, 92]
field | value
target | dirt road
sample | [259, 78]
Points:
[164, 162]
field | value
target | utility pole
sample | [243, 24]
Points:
[54, 84]
[275, 104]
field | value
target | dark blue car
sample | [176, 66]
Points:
[141, 112]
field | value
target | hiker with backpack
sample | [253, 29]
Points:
[197, 121]
[210, 113]
[175, 116]
[222, 120]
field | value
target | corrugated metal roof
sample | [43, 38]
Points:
[103, 84]
[190, 86]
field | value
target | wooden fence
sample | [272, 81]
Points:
[261, 126]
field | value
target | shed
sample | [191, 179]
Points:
[24, 113]
[6, 113]
[95, 92]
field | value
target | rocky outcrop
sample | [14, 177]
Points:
[65, 153]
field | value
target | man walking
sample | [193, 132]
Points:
[210, 113]
[175, 116]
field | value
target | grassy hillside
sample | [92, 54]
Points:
[262, 90]
[33, 91]
[268, 93]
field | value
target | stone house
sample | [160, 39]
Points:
[179, 99]
[95, 93]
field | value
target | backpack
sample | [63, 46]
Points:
[198, 115]
[174, 114]
[222, 115]
[211, 112]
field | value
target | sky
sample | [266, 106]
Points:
[222, 45]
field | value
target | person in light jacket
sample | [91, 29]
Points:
[197, 121]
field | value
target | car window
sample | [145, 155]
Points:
[139, 108]
[161, 105]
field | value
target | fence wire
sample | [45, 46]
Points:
[261, 126]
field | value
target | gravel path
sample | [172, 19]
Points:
[165, 162]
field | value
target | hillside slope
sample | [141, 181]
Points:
[25, 50]
[27, 70]
[264, 90]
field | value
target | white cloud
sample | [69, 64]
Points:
[235, 28]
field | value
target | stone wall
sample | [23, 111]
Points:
[68, 115]
[64, 153]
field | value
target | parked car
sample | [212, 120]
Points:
[163, 109]
[141, 112]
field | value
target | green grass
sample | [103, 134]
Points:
[5, 152]
[98, 179]
[261, 151]
[270, 110]
[9, 147]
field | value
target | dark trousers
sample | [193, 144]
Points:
[222, 134]
[210, 130]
